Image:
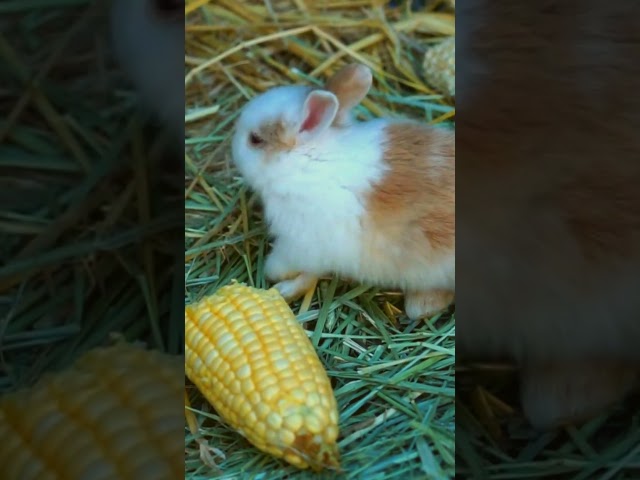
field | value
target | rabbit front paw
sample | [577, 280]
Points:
[426, 304]
[296, 287]
[278, 268]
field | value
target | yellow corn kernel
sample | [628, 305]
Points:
[440, 66]
[113, 414]
[252, 360]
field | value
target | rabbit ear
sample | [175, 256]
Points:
[350, 85]
[319, 110]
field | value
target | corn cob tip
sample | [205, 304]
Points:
[318, 454]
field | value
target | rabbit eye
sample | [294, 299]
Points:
[255, 139]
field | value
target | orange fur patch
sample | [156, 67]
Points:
[277, 136]
[415, 201]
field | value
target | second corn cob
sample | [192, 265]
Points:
[440, 66]
[113, 414]
[252, 360]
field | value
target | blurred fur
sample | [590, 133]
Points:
[148, 43]
[548, 199]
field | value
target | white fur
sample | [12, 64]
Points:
[150, 50]
[314, 199]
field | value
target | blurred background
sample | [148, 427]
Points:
[90, 212]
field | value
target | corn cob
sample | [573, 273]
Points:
[114, 414]
[252, 360]
[440, 66]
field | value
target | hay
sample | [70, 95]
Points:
[394, 381]
[495, 442]
[84, 231]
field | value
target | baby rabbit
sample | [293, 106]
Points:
[371, 201]
[549, 206]
[148, 42]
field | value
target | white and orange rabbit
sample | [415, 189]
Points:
[371, 201]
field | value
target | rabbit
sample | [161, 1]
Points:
[370, 201]
[548, 209]
[148, 42]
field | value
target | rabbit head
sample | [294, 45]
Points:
[290, 123]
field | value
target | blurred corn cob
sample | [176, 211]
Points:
[440, 66]
[252, 360]
[114, 414]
